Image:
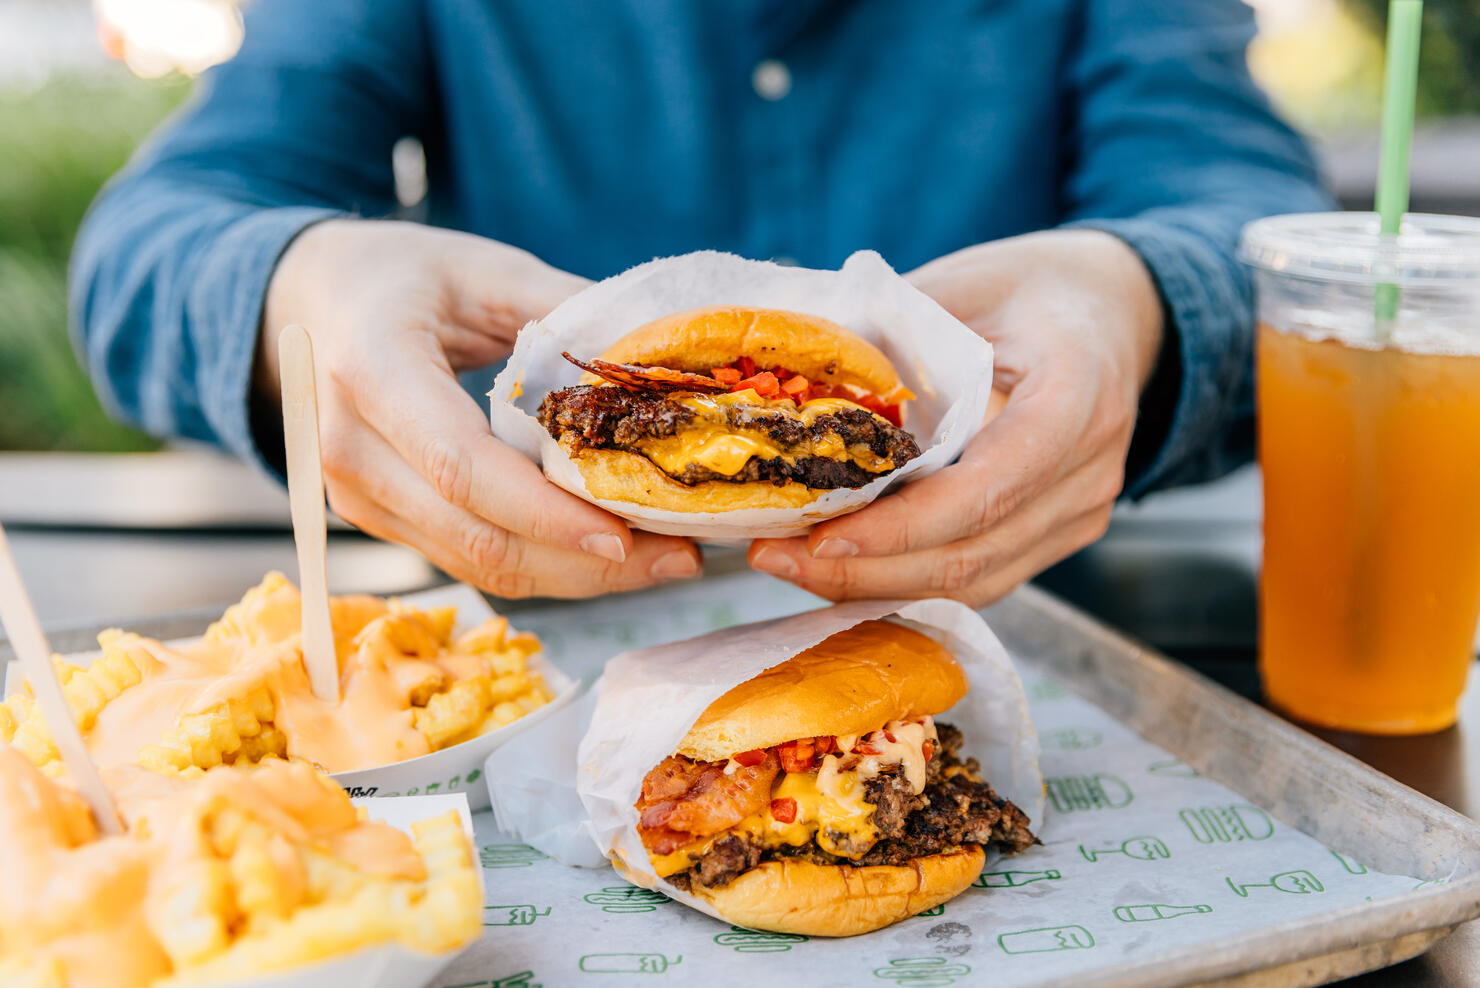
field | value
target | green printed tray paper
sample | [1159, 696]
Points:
[1142, 859]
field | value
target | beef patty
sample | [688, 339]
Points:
[606, 417]
[953, 810]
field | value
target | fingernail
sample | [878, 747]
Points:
[834, 548]
[605, 545]
[675, 566]
[775, 562]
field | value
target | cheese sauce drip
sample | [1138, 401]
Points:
[110, 912]
[831, 803]
[723, 443]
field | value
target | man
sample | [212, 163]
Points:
[1067, 177]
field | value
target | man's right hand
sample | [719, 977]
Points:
[395, 310]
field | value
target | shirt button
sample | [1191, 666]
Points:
[771, 80]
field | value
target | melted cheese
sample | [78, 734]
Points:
[714, 443]
[830, 802]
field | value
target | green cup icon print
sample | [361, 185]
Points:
[1046, 939]
[627, 963]
[939, 910]
[520, 980]
[1150, 912]
[1139, 848]
[1047, 690]
[922, 972]
[1352, 865]
[1071, 739]
[1075, 793]
[1227, 824]
[508, 855]
[521, 915]
[755, 942]
[1300, 882]
[1011, 879]
[626, 899]
[1174, 768]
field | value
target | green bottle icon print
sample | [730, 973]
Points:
[1173, 768]
[1227, 824]
[939, 910]
[922, 972]
[1300, 882]
[1071, 739]
[1101, 791]
[1352, 865]
[1151, 911]
[520, 980]
[627, 963]
[754, 942]
[1046, 940]
[626, 899]
[1010, 879]
[521, 915]
[1139, 848]
[508, 855]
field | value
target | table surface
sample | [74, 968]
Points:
[1176, 571]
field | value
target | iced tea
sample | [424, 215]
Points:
[1370, 591]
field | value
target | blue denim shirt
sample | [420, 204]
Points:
[599, 135]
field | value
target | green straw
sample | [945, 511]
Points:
[1399, 89]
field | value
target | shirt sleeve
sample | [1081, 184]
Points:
[1173, 148]
[171, 266]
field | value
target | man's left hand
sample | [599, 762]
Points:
[1077, 326]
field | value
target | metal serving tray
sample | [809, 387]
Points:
[1302, 781]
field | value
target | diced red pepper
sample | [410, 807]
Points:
[929, 748]
[726, 375]
[867, 748]
[796, 756]
[795, 386]
[784, 810]
[751, 758]
[764, 384]
[745, 366]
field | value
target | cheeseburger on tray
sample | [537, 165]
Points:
[726, 408]
[822, 798]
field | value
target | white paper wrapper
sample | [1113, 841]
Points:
[457, 769]
[946, 365]
[649, 698]
[388, 965]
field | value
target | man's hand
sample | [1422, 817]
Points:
[1077, 326]
[395, 310]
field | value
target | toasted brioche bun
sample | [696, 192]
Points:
[817, 348]
[794, 896]
[616, 475]
[852, 683]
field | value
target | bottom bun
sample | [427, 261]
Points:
[614, 475]
[792, 896]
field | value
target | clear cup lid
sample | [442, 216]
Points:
[1428, 250]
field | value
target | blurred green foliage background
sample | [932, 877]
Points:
[62, 140]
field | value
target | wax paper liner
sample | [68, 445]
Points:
[575, 803]
[386, 965]
[456, 769]
[946, 365]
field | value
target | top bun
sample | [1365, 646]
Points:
[817, 348]
[852, 683]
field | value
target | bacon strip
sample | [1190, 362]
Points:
[640, 377]
[683, 799]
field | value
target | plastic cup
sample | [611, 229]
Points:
[1369, 440]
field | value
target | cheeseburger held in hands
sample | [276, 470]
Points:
[822, 798]
[727, 408]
